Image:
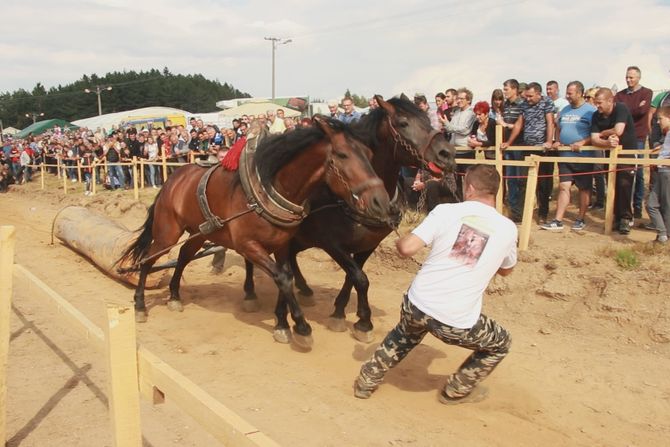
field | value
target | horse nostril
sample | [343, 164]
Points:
[444, 154]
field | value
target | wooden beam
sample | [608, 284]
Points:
[157, 377]
[529, 203]
[79, 322]
[6, 271]
[609, 197]
[43, 171]
[123, 389]
[499, 167]
[136, 191]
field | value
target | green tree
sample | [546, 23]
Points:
[358, 100]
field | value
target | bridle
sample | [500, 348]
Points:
[400, 140]
[374, 182]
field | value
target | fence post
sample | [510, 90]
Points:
[164, 165]
[499, 168]
[529, 203]
[124, 393]
[611, 183]
[6, 270]
[142, 173]
[136, 191]
[94, 177]
[58, 165]
[43, 171]
[79, 169]
[65, 179]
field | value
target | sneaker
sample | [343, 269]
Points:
[74, 180]
[596, 206]
[624, 226]
[579, 225]
[554, 225]
[661, 239]
[477, 395]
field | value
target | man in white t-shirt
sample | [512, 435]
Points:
[470, 242]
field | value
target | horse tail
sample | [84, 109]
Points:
[140, 246]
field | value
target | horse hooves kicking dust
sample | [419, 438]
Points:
[175, 306]
[365, 337]
[251, 306]
[337, 324]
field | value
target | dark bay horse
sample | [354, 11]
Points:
[398, 133]
[294, 164]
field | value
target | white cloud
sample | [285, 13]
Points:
[368, 47]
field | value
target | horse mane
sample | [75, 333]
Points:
[276, 151]
[366, 128]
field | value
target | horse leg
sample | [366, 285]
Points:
[186, 253]
[302, 331]
[337, 320]
[298, 278]
[250, 303]
[363, 327]
[140, 306]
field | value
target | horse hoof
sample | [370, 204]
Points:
[303, 341]
[140, 316]
[251, 306]
[306, 300]
[305, 291]
[337, 324]
[175, 306]
[282, 336]
[365, 337]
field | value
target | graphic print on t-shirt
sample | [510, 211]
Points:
[469, 245]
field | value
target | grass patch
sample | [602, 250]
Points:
[626, 259]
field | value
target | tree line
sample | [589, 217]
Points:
[130, 90]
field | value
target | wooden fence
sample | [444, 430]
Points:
[532, 162]
[134, 371]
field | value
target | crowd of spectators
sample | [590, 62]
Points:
[595, 118]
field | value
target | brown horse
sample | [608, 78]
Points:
[292, 165]
[398, 133]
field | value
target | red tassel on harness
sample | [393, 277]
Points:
[231, 161]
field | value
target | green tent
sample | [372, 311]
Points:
[40, 127]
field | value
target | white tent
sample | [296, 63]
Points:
[110, 120]
[256, 108]
[10, 131]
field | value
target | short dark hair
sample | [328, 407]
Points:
[451, 90]
[512, 83]
[440, 95]
[578, 85]
[484, 178]
[552, 82]
[534, 86]
[664, 111]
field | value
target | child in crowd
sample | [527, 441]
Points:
[658, 205]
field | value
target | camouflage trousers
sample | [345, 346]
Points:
[489, 341]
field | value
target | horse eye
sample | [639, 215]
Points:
[403, 124]
[341, 155]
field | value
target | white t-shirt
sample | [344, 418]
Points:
[469, 242]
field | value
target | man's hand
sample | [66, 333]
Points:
[575, 147]
[547, 145]
[504, 146]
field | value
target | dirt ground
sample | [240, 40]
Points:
[588, 365]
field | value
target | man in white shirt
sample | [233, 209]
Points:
[470, 243]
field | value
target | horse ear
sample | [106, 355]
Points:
[385, 105]
[322, 122]
[404, 96]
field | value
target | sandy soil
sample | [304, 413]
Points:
[588, 366]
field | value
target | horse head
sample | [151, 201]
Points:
[350, 175]
[411, 132]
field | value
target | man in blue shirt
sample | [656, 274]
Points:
[350, 115]
[574, 130]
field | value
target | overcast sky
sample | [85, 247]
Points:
[369, 47]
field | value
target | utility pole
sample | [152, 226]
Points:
[99, 89]
[275, 42]
[34, 116]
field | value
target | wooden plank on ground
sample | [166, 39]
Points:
[220, 421]
[79, 322]
[6, 270]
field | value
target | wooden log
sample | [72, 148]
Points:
[6, 273]
[101, 240]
